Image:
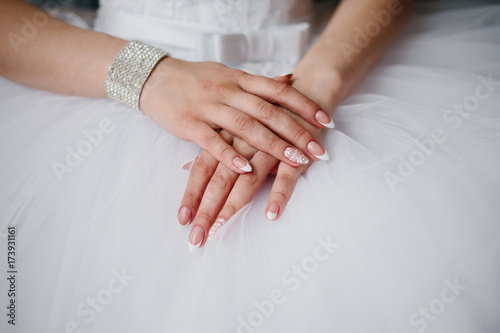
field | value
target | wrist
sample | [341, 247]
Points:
[320, 82]
[130, 70]
[166, 73]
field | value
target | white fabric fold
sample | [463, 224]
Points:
[286, 42]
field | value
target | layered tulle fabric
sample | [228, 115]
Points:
[398, 232]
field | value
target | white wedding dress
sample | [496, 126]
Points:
[398, 232]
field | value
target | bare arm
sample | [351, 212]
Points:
[43, 52]
[354, 40]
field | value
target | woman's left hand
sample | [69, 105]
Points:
[215, 193]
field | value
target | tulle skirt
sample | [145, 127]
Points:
[398, 232]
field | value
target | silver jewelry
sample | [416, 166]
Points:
[130, 70]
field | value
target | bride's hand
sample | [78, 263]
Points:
[193, 100]
[214, 193]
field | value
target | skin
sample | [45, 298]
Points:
[327, 74]
[190, 99]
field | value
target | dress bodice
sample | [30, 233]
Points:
[227, 31]
[230, 15]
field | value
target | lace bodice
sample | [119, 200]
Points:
[234, 32]
[230, 15]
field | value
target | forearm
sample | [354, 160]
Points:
[53, 56]
[352, 43]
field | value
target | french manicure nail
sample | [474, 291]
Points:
[217, 225]
[295, 155]
[196, 238]
[317, 150]
[242, 164]
[184, 217]
[188, 164]
[324, 119]
[272, 212]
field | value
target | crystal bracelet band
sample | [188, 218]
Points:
[130, 70]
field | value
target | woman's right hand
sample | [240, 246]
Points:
[192, 100]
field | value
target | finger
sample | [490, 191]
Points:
[282, 190]
[243, 147]
[273, 120]
[244, 190]
[201, 172]
[283, 94]
[210, 140]
[260, 137]
[214, 196]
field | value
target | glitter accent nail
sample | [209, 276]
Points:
[296, 155]
[217, 225]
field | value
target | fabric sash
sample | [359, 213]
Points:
[283, 42]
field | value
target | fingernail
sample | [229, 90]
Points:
[195, 238]
[324, 119]
[317, 150]
[295, 155]
[242, 164]
[272, 212]
[188, 164]
[285, 74]
[184, 217]
[217, 225]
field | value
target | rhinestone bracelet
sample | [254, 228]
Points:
[130, 70]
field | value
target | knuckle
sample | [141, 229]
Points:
[210, 138]
[243, 123]
[221, 181]
[201, 166]
[298, 132]
[230, 209]
[282, 194]
[206, 84]
[227, 150]
[250, 180]
[268, 111]
[212, 86]
[185, 123]
[236, 73]
[222, 87]
[273, 143]
[191, 198]
[183, 120]
[204, 218]
[240, 75]
[281, 89]
[286, 179]
[310, 105]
